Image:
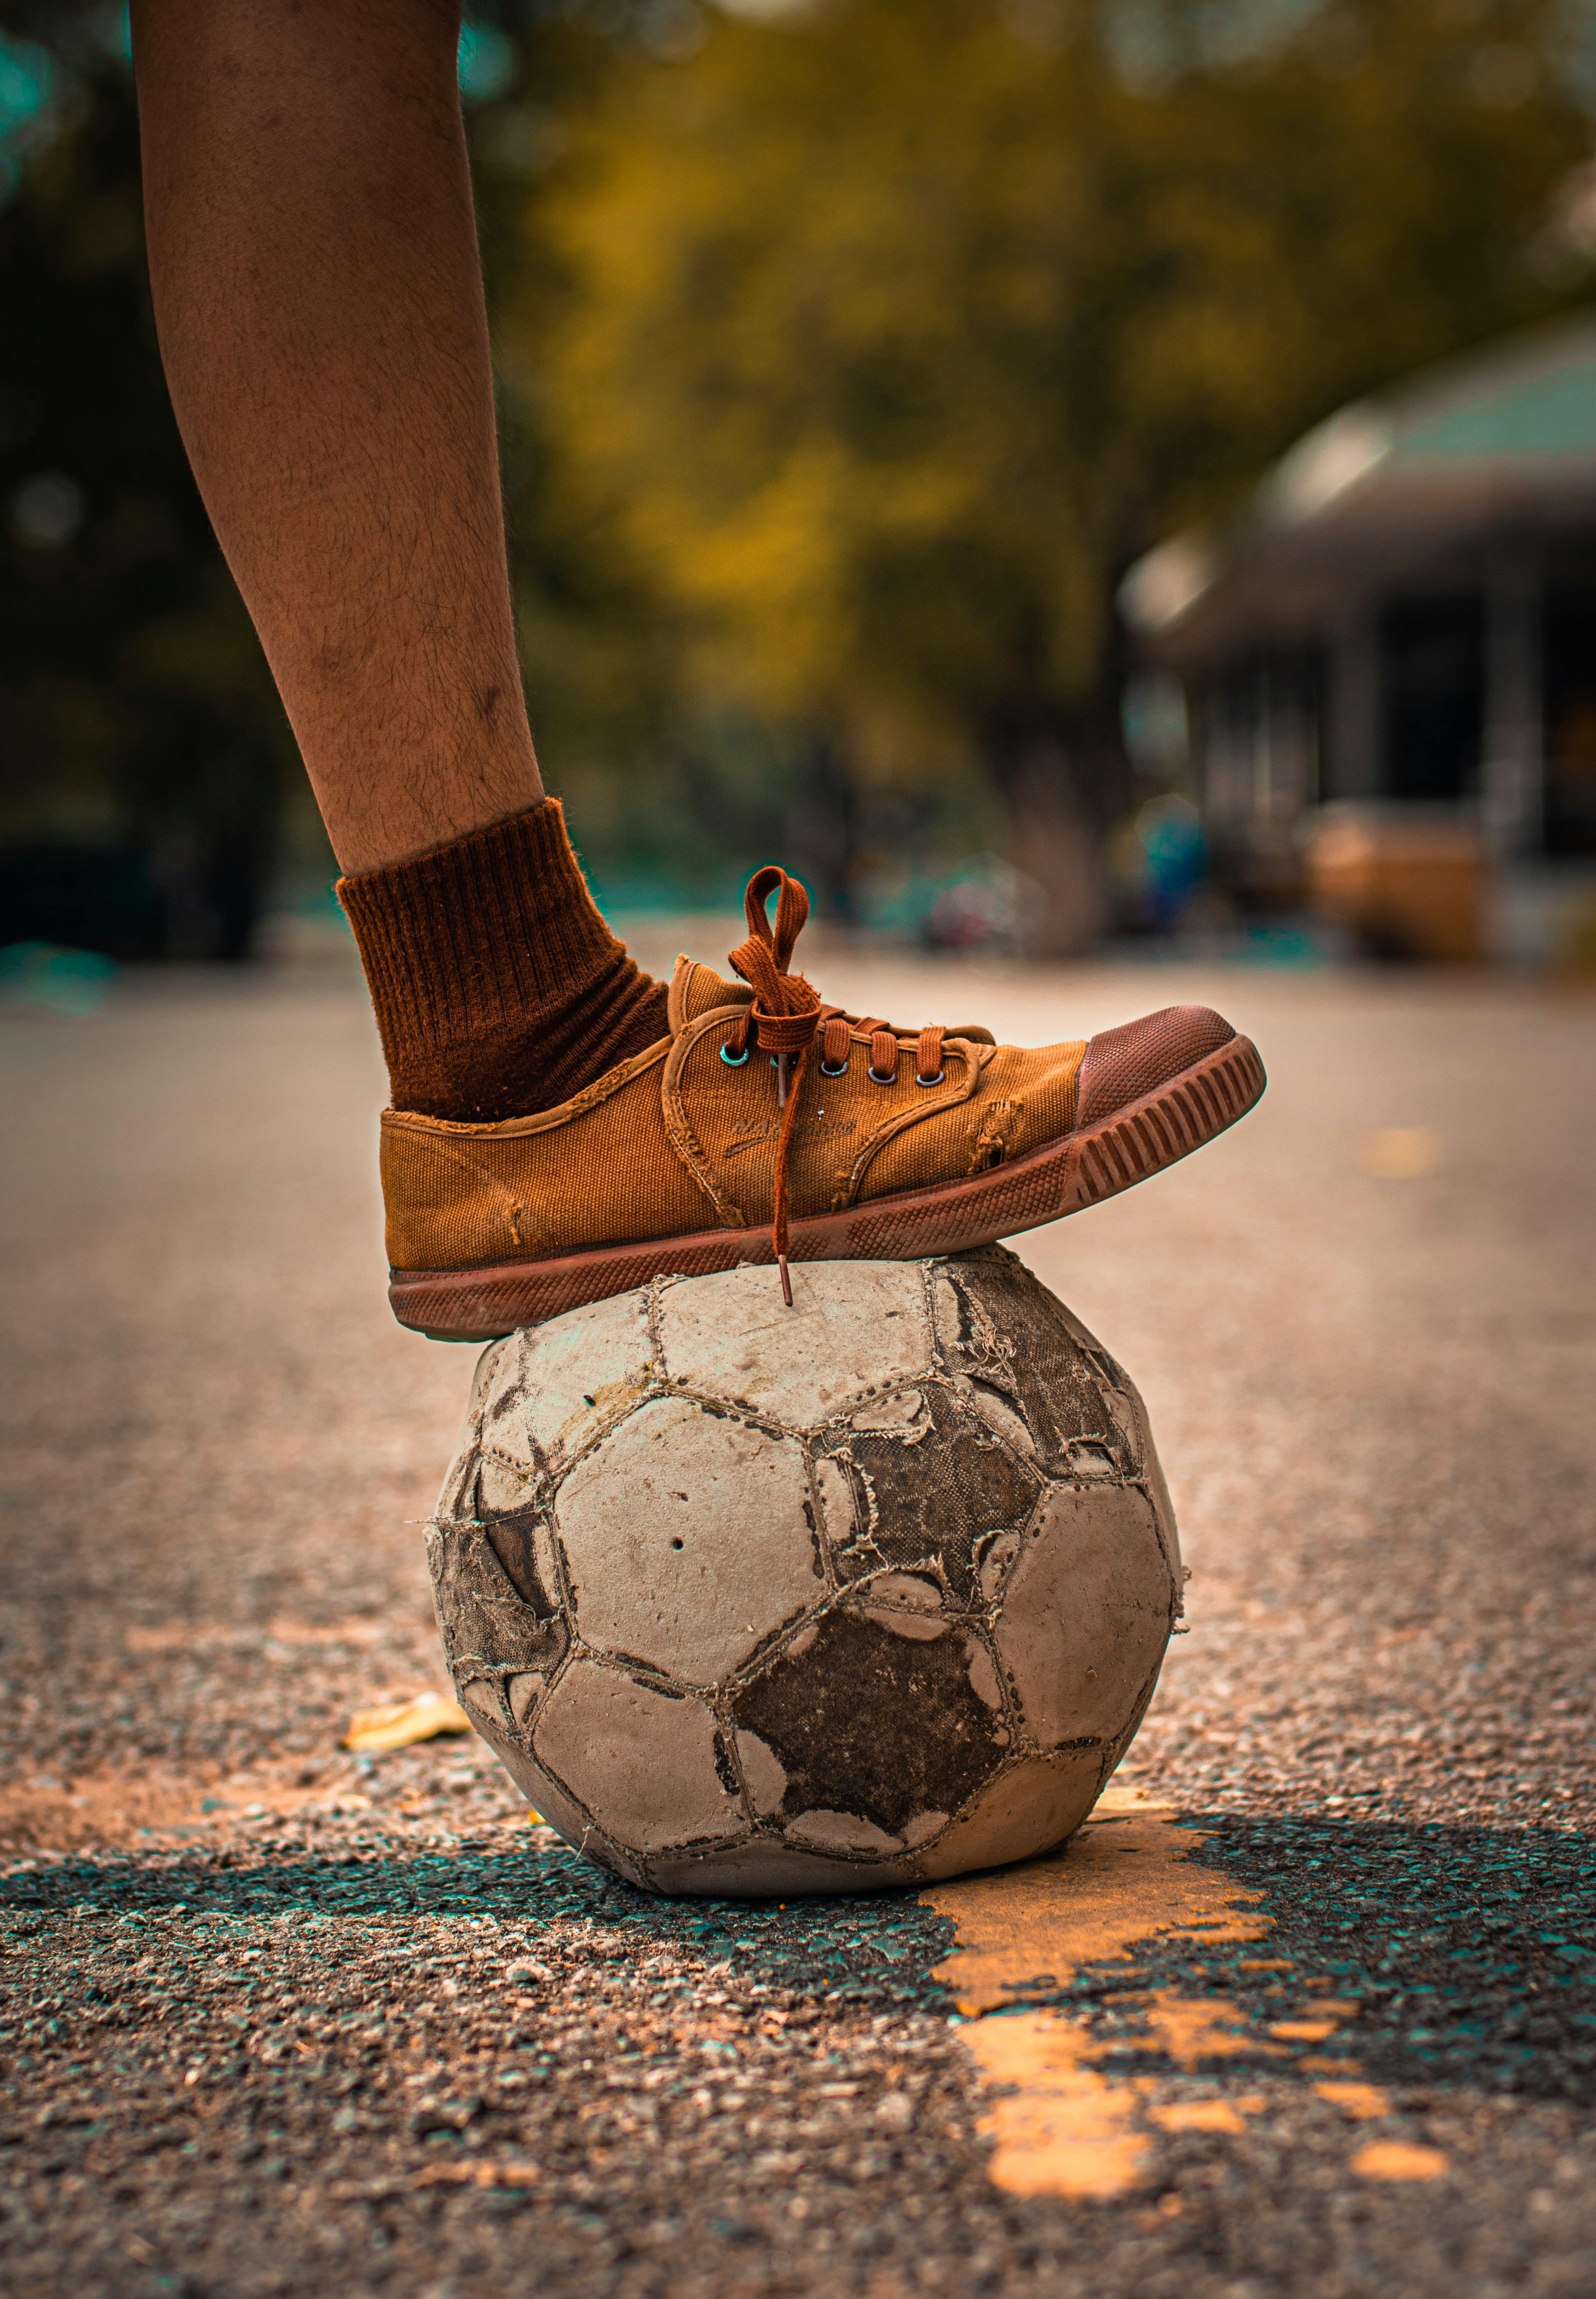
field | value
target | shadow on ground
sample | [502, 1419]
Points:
[1469, 1954]
[878, 1948]
[1462, 1956]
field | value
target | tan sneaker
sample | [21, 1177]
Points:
[770, 1125]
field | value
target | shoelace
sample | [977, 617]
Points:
[788, 1014]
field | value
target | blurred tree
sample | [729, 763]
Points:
[867, 343]
[669, 788]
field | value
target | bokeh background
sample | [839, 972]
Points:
[1053, 471]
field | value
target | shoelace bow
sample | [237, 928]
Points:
[788, 1014]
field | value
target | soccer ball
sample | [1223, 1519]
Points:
[754, 1601]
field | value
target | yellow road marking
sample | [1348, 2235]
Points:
[1393, 2159]
[1126, 1876]
[1187, 2029]
[1200, 2115]
[1063, 2129]
[1360, 2101]
[1059, 2126]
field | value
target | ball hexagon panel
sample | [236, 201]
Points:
[1000, 1330]
[489, 1626]
[910, 1604]
[507, 1467]
[549, 1798]
[518, 1694]
[1034, 1804]
[569, 1380]
[652, 1766]
[767, 1868]
[523, 1545]
[689, 1540]
[860, 1326]
[1150, 1469]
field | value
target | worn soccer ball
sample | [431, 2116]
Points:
[756, 1601]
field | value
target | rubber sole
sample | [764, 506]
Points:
[1082, 1169]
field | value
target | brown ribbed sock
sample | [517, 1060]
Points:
[499, 989]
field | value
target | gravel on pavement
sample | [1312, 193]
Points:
[277, 2019]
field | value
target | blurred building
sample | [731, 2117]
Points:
[1404, 616]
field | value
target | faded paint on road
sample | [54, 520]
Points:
[1126, 1876]
[1059, 2124]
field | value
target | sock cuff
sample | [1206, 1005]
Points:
[476, 933]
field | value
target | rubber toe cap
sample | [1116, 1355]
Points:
[1123, 1064]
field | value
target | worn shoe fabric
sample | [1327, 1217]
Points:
[889, 1144]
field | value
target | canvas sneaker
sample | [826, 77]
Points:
[768, 1126]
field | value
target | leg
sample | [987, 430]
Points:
[320, 309]
[318, 295]
[313, 258]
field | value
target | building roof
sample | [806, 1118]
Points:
[1502, 442]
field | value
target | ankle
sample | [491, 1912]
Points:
[499, 989]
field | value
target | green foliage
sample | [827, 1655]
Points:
[891, 330]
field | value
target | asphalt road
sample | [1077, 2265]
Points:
[278, 2020]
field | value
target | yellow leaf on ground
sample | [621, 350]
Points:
[372, 1730]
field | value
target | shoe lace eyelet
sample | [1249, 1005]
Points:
[827, 1071]
[734, 1061]
[880, 1077]
[934, 1080]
